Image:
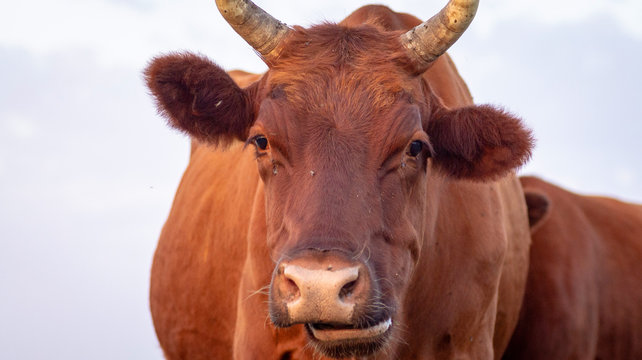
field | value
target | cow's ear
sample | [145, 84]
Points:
[538, 206]
[478, 142]
[200, 98]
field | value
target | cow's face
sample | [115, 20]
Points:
[345, 140]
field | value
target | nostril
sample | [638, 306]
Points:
[291, 289]
[347, 289]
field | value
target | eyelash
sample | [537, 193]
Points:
[253, 140]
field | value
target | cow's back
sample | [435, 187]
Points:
[584, 288]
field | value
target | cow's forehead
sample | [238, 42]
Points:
[343, 75]
[336, 59]
[342, 96]
[342, 86]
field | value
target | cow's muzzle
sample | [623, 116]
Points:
[318, 288]
[335, 297]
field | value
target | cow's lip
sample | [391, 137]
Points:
[325, 333]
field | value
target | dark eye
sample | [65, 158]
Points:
[261, 142]
[415, 148]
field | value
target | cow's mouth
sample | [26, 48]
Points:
[345, 340]
[325, 332]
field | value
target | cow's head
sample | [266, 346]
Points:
[347, 135]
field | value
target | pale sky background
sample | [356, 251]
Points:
[88, 170]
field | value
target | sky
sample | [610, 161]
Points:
[88, 170]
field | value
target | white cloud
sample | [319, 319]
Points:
[19, 126]
[116, 34]
[625, 13]
[624, 177]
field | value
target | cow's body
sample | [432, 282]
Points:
[584, 292]
[213, 267]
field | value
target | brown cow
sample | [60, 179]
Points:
[584, 291]
[372, 211]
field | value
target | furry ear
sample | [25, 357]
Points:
[200, 98]
[478, 142]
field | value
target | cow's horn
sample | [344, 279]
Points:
[262, 31]
[428, 40]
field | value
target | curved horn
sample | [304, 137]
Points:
[262, 31]
[428, 40]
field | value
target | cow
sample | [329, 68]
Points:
[583, 296]
[352, 201]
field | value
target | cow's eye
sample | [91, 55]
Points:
[415, 148]
[261, 142]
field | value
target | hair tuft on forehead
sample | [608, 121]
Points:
[363, 59]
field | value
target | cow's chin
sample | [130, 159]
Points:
[339, 341]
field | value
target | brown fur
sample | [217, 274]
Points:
[583, 296]
[199, 97]
[478, 142]
[340, 110]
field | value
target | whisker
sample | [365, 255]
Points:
[262, 290]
